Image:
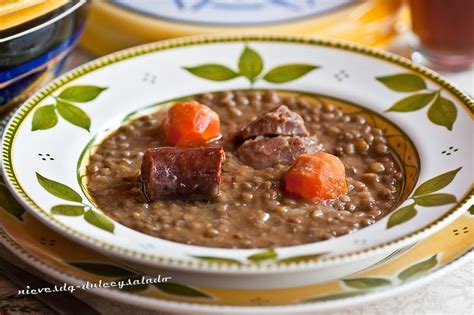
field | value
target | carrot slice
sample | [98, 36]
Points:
[316, 177]
[190, 124]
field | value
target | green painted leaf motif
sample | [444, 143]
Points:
[333, 297]
[132, 287]
[402, 215]
[287, 73]
[443, 112]
[57, 189]
[99, 221]
[81, 93]
[403, 82]
[250, 64]
[9, 203]
[436, 183]
[265, 255]
[434, 200]
[366, 283]
[418, 268]
[74, 115]
[181, 290]
[218, 259]
[301, 258]
[412, 103]
[68, 210]
[471, 210]
[105, 270]
[213, 72]
[44, 118]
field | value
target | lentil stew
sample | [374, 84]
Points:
[252, 210]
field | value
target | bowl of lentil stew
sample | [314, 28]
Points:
[252, 205]
[86, 134]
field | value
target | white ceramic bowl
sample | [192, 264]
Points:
[44, 154]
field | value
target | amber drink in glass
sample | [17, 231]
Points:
[445, 33]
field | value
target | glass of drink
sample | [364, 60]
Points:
[444, 33]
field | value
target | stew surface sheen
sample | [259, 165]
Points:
[252, 210]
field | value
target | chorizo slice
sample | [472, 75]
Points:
[279, 121]
[182, 173]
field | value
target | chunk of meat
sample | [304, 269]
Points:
[262, 152]
[316, 177]
[279, 121]
[187, 173]
[190, 124]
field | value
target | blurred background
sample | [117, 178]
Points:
[41, 38]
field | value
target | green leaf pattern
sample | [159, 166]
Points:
[403, 82]
[287, 73]
[99, 221]
[412, 102]
[57, 189]
[213, 72]
[68, 210]
[402, 215]
[418, 268]
[366, 283]
[359, 286]
[441, 111]
[424, 196]
[67, 193]
[267, 254]
[81, 93]
[300, 258]
[258, 257]
[436, 183]
[73, 114]
[46, 117]
[250, 66]
[435, 200]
